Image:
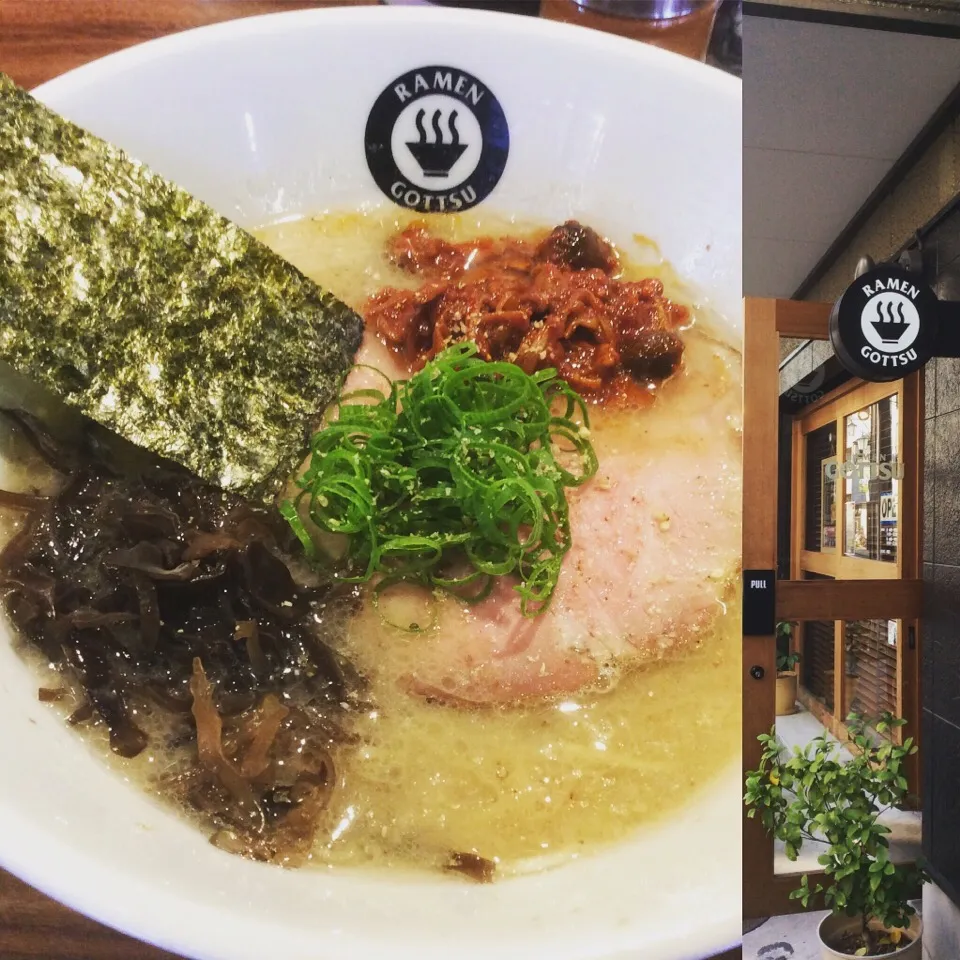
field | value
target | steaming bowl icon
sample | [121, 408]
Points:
[890, 324]
[436, 158]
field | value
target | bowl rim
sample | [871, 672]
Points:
[262, 24]
[26, 849]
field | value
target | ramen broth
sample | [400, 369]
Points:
[530, 785]
[535, 784]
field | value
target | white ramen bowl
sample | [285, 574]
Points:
[265, 118]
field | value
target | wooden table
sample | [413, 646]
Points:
[40, 39]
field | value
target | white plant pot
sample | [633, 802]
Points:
[832, 927]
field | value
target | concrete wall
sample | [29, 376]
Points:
[941, 925]
[932, 183]
[798, 374]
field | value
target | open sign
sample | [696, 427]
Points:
[888, 510]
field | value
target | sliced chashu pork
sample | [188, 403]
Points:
[655, 551]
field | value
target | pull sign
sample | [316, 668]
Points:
[759, 603]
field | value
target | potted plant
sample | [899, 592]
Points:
[812, 796]
[786, 671]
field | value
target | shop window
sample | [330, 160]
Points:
[821, 481]
[871, 478]
[870, 664]
[818, 669]
[817, 663]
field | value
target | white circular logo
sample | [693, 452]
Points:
[436, 142]
[890, 322]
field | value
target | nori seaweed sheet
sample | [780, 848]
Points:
[152, 314]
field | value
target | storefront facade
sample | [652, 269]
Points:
[833, 487]
[866, 527]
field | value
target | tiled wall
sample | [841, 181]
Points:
[940, 676]
[940, 664]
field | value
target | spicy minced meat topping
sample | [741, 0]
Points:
[557, 302]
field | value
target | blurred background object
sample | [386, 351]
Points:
[708, 30]
[40, 39]
[527, 7]
[726, 43]
[683, 26]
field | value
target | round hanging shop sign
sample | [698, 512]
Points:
[885, 324]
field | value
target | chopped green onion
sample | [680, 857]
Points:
[452, 478]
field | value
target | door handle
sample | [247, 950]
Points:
[757, 672]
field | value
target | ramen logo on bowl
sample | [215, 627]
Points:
[437, 140]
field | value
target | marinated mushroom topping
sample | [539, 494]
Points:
[182, 619]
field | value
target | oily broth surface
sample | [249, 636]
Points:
[532, 785]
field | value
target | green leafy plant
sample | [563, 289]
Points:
[787, 661]
[785, 630]
[810, 794]
[783, 634]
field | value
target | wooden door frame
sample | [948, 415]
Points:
[766, 893]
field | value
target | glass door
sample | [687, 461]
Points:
[846, 493]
